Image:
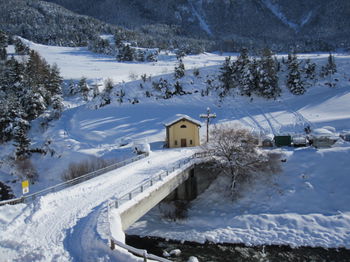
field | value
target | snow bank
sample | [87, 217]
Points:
[306, 205]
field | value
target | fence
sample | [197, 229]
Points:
[72, 182]
[154, 179]
[139, 189]
[139, 252]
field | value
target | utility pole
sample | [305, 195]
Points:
[207, 116]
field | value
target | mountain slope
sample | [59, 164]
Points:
[254, 22]
[48, 23]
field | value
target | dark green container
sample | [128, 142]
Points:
[283, 140]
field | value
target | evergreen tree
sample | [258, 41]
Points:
[294, 81]
[54, 81]
[267, 76]
[106, 95]
[83, 88]
[179, 70]
[22, 143]
[3, 45]
[152, 56]
[243, 73]
[33, 104]
[226, 75]
[20, 48]
[178, 89]
[96, 91]
[126, 53]
[72, 87]
[57, 107]
[330, 68]
[12, 74]
[310, 70]
[119, 38]
[140, 55]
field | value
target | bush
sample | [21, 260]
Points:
[84, 167]
[26, 169]
[5, 192]
[236, 154]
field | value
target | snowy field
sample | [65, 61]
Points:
[307, 204]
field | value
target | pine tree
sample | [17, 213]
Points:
[22, 143]
[179, 69]
[3, 45]
[54, 81]
[72, 87]
[106, 95]
[267, 75]
[57, 106]
[13, 74]
[33, 104]
[178, 89]
[243, 73]
[226, 75]
[294, 81]
[126, 53]
[83, 88]
[20, 48]
[329, 70]
[140, 55]
[310, 70]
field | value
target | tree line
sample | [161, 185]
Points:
[28, 87]
[263, 75]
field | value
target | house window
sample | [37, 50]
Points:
[183, 126]
[191, 142]
[175, 143]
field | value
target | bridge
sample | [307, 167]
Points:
[68, 221]
[181, 180]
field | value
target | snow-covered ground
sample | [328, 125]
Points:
[73, 223]
[307, 205]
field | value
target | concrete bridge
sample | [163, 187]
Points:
[184, 181]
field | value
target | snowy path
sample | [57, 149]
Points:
[51, 228]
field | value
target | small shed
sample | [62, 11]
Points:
[283, 140]
[299, 140]
[182, 131]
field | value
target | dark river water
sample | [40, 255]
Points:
[237, 252]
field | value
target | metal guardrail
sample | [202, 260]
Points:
[139, 189]
[154, 179]
[139, 252]
[72, 182]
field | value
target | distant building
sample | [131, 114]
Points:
[182, 131]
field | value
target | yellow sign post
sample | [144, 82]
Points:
[25, 187]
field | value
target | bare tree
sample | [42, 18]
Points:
[236, 153]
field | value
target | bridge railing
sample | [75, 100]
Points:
[154, 179]
[73, 181]
[139, 252]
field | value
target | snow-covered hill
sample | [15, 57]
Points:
[109, 132]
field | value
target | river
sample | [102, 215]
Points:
[211, 252]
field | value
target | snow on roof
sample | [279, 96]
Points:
[324, 131]
[179, 117]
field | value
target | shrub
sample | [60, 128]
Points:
[26, 169]
[84, 167]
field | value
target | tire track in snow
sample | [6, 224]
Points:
[44, 228]
[300, 120]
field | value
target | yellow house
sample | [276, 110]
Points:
[182, 131]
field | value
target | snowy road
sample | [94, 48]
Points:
[67, 225]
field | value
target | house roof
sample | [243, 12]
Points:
[180, 117]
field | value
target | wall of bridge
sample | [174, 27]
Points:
[187, 185]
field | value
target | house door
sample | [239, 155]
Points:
[183, 143]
